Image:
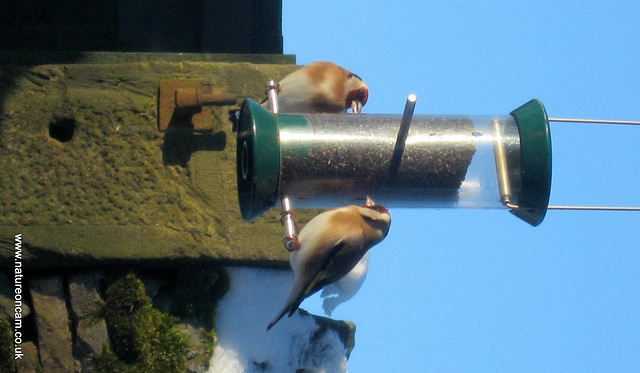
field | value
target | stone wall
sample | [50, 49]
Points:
[94, 190]
[64, 326]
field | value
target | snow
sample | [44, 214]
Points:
[243, 344]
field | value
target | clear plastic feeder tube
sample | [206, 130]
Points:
[330, 160]
[448, 161]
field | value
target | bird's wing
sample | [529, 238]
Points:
[322, 276]
[344, 248]
[303, 288]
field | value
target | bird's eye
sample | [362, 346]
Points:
[378, 208]
[362, 95]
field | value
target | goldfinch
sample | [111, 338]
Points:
[321, 87]
[331, 245]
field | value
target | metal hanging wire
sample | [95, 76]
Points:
[601, 121]
[594, 208]
[504, 181]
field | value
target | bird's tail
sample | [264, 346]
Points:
[280, 315]
[296, 296]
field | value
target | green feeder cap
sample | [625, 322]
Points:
[535, 154]
[257, 160]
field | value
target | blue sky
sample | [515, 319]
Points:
[480, 290]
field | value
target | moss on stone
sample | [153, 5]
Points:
[194, 299]
[143, 338]
[198, 289]
[7, 362]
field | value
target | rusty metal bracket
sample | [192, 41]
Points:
[181, 105]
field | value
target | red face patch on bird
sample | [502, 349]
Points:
[361, 95]
[378, 208]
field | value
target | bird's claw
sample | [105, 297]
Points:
[288, 214]
[290, 224]
[291, 243]
[275, 86]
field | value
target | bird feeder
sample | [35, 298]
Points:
[428, 161]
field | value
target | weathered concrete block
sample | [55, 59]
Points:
[94, 180]
[54, 336]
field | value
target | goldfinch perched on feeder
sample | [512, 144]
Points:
[321, 87]
[331, 245]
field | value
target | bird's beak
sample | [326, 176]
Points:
[369, 202]
[356, 106]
